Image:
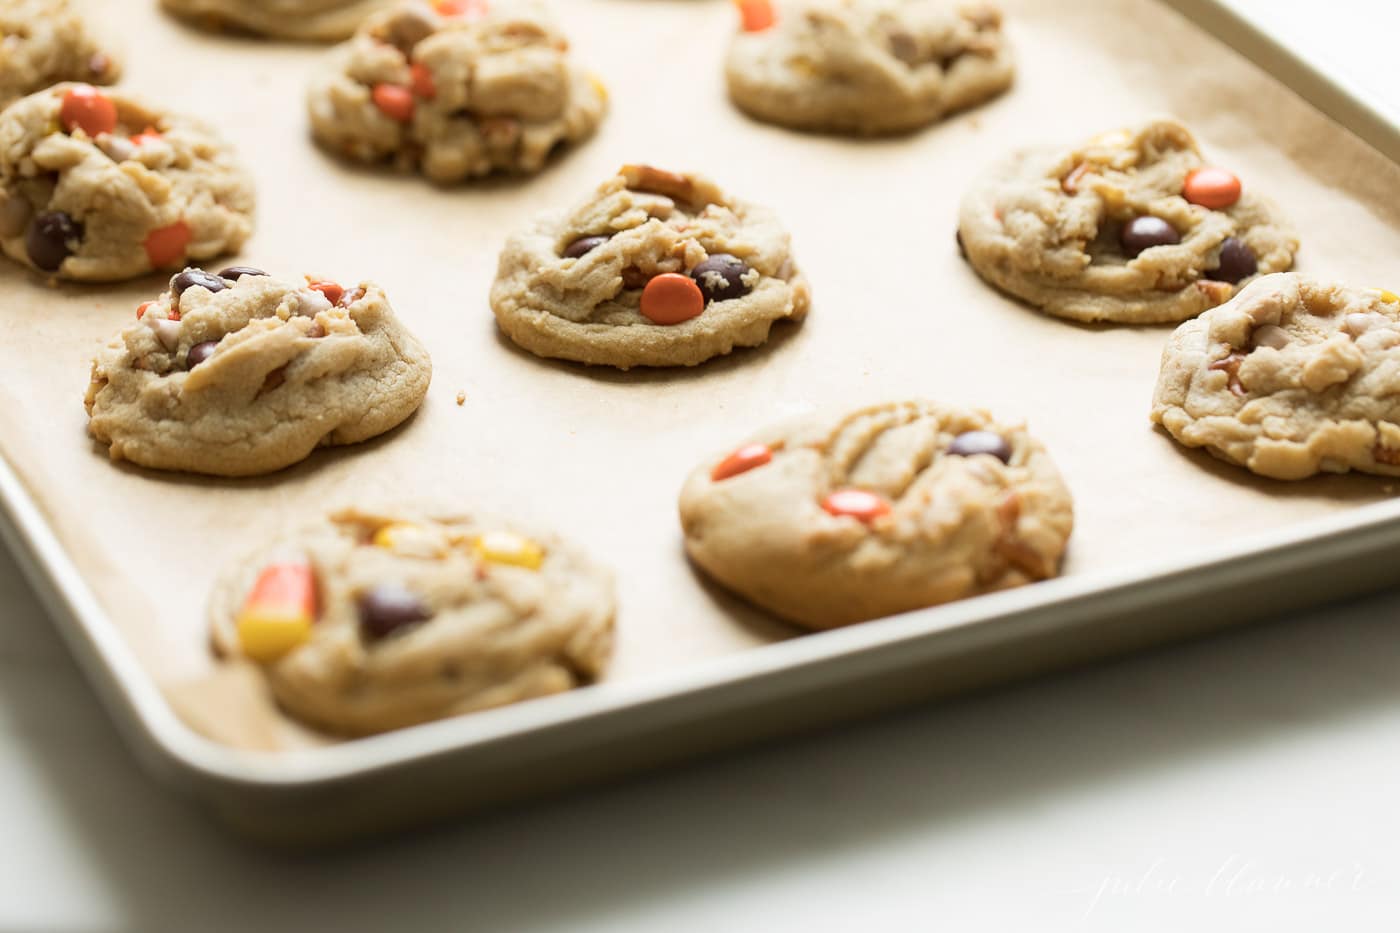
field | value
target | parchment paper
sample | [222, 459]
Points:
[600, 455]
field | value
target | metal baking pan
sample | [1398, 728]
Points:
[1276, 548]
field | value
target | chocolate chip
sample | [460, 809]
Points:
[52, 238]
[583, 245]
[971, 443]
[234, 273]
[1237, 262]
[188, 279]
[199, 353]
[389, 608]
[721, 277]
[904, 47]
[1145, 232]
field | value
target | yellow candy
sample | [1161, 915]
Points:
[268, 635]
[507, 547]
[409, 540]
[1389, 297]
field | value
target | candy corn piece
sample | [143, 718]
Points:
[279, 612]
[756, 15]
[507, 547]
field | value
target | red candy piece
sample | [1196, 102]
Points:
[1210, 187]
[86, 108]
[166, 246]
[142, 308]
[672, 298]
[394, 102]
[474, 9]
[423, 84]
[742, 460]
[856, 503]
[756, 15]
[331, 290]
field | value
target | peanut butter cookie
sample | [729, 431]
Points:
[894, 507]
[43, 42]
[369, 621]
[312, 20]
[1291, 378]
[1133, 227]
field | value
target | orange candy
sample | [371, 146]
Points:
[166, 246]
[423, 84]
[149, 135]
[857, 504]
[393, 101]
[742, 460]
[1211, 187]
[471, 8]
[86, 108]
[672, 298]
[331, 290]
[756, 15]
[142, 308]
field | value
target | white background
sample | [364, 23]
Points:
[1245, 782]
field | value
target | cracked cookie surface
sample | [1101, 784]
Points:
[654, 269]
[374, 620]
[894, 507]
[98, 187]
[43, 42]
[312, 20]
[868, 66]
[1292, 378]
[1132, 227]
[239, 374]
[456, 96]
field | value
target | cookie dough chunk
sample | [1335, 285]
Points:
[97, 187]
[1133, 227]
[456, 95]
[369, 621]
[866, 66]
[238, 374]
[311, 20]
[891, 508]
[654, 269]
[43, 42]
[1293, 377]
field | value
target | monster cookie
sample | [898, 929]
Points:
[43, 42]
[866, 66]
[890, 508]
[237, 374]
[314, 20]
[369, 621]
[654, 269]
[1291, 378]
[97, 187]
[456, 95]
[1132, 227]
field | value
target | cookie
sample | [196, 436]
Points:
[369, 621]
[238, 374]
[843, 518]
[456, 96]
[43, 42]
[311, 20]
[1133, 227]
[866, 66]
[654, 269]
[1291, 378]
[97, 187]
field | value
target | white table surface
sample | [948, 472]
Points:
[1246, 782]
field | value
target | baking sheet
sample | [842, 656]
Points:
[600, 455]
